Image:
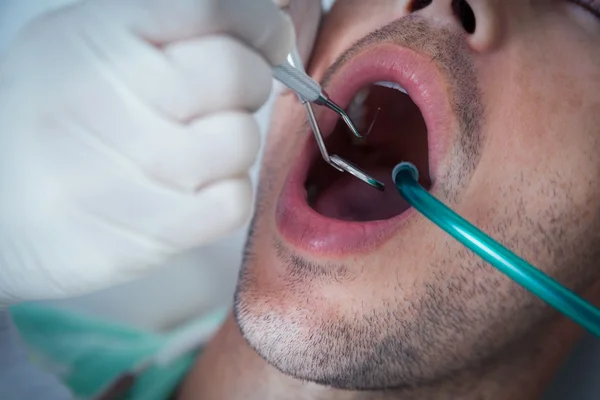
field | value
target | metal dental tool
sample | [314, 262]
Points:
[308, 89]
[293, 72]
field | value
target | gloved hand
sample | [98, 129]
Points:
[126, 135]
[306, 16]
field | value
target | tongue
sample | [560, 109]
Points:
[348, 198]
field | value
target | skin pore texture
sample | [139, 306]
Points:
[418, 316]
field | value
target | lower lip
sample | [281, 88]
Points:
[303, 227]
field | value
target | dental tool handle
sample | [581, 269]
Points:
[299, 82]
[295, 60]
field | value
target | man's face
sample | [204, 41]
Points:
[347, 286]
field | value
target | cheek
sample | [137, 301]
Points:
[286, 138]
[537, 185]
[286, 125]
[542, 115]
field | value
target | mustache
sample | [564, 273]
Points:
[452, 57]
[446, 48]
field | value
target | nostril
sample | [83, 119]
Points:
[465, 13]
[416, 5]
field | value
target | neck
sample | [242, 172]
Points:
[230, 369]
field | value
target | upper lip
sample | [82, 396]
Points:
[305, 228]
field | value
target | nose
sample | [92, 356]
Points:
[480, 20]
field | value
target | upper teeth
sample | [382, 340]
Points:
[391, 85]
[357, 110]
[361, 96]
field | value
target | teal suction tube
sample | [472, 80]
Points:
[405, 176]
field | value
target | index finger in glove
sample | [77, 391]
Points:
[306, 17]
[258, 23]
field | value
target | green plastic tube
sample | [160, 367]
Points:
[406, 178]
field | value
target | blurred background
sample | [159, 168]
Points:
[204, 279]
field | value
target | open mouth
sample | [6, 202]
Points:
[397, 132]
[322, 210]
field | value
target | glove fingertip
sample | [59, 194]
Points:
[279, 88]
[282, 41]
[307, 18]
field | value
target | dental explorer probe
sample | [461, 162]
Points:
[309, 90]
[335, 161]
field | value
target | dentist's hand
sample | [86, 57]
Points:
[306, 15]
[126, 135]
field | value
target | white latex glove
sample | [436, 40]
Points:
[126, 135]
[306, 16]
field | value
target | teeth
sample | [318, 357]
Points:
[391, 85]
[357, 110]
[361, 96]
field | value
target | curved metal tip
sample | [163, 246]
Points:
[350, 125]
[334, 107]
[357, 172]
